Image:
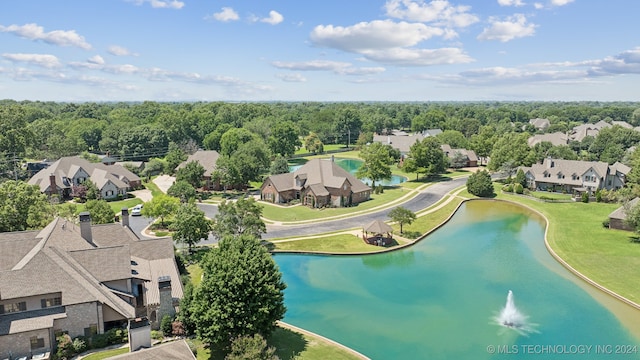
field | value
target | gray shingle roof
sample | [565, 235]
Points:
[65, 168]
[568, 168]
[176, 350]
[621, 213]
[206, 158]
[556, 139]
[402, 143]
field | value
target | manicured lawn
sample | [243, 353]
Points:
[106, 354]
[116, 206]
[298, 213]
[341, 243]
[576, 234]
[155, 190]
[550, 195]
[195, 274]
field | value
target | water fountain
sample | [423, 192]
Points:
[510, 317]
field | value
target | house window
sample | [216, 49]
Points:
[15, 307]
[56, 301]
[109, 192]
[36, 342]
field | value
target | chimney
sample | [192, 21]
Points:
[166, 300]
[52, 185]
[85, 226]
[125, 217]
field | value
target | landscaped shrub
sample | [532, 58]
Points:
[156, 335]
[99, 341]
[65, 347]
[585, 197]
[507, 188]
[605, 223]
[598, 196]
[165, 325]
[177, 329]
[79, 345]
[518, 188]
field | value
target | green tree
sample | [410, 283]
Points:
[251, 348]
[241, 292]
[161, 206]
[190, 225]
[212, 140]
[174, 157]
[100, 211]
[402, 216]
[480, 184]
[458, 161]
[482, 143]
[165, 325]
[182, 190]
[521, 178]
[511, 147]
[431, 119]
[192, 173]
[279, 166]
[233, 138]
[313, 144]
[92, 192]
[453, 138]
[241, 217]
[425, 157]
[377, 160]
[23, 207]
[155, 166]
[185, 314]
[284, 139]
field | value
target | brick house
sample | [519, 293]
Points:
[208, 159]
[575, 176]
[61, 176]
[318, 183]
[81, 280]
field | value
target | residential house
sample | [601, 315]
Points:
[402, 143]
[431, 132]
[540, 124]
[137, 166]
[470, 155]
[81, 280]
[617, 219]
[556, 139]
[580, 132]
[61, 176]
[318, 183]
[575, 176]
[208, 159]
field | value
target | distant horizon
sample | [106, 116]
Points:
[330, 51]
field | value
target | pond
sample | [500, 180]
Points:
[352, 165]
[443, 297]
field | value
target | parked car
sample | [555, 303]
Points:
[137, 210]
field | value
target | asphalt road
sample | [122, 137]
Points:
[424, 199]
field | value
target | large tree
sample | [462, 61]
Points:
[161, 206]
[192, 173]
[284, 139]
[480, 184]
[402, 216]
[241, 217]
[425, 157]
[377, 160]
[511, 147]
[190, 225]
[100, 211]
[313, 144]
[23, 207]
[182, 190]
[241, 292]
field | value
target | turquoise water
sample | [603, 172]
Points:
[437, 299]
[352, 165]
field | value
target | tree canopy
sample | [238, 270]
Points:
[23, 207]
[241, 293]
[192, 173]
[100, 211]
[402, 216]
[241, 217]
[161, 206]
[190, 225]
[425, 157]
[377, 160]
[480, 184]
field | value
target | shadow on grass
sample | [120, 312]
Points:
[412, 234]
[288, 344]
[634, 239]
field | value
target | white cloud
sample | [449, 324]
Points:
[161, 4]
[119, 51]
[97, 59]
[337, 67]
[419, 57]
[291, 77]
[538, 6]
[378, 34]
[511, 3]
[440, 12]
[43, 60]
[55, 37]
[274, 18]
[560, 2]
[512, 27]
[227, 14]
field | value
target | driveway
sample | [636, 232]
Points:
[144, 195]
[164, 182]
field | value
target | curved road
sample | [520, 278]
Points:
[422, 200]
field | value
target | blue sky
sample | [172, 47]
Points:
[349, 50]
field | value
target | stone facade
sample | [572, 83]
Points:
[17, 345]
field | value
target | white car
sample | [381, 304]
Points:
[137, 210]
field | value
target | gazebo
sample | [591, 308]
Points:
[377, 233]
